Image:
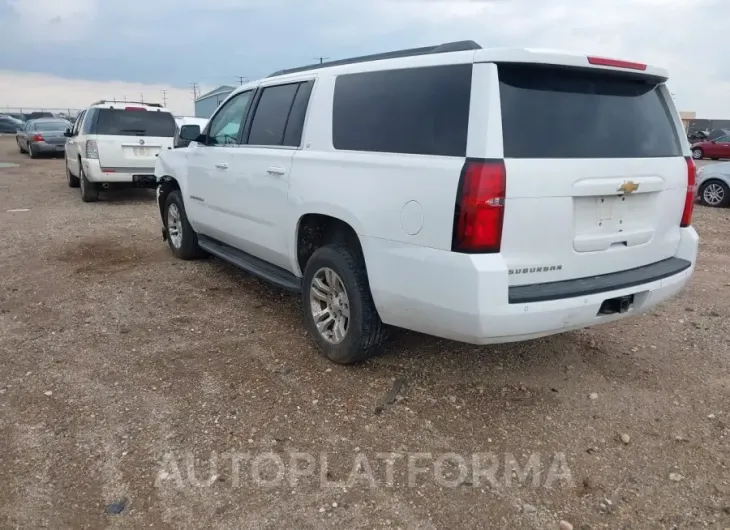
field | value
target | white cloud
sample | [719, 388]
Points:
[35, 91]
[684, 36]
[681, 35]
[54, 20]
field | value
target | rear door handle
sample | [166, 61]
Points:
[222, 165]
[274, 170]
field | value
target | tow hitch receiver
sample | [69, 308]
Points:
[616, 305]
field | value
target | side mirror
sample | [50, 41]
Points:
[189, 132]
[68, 133]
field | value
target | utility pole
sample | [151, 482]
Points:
[321, 59]
[195, 90]
[141, 97]
[164, 98]
[125, 98]
[241, 78]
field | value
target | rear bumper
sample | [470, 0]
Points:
[43, 147]
[143, 177]
[467, 297]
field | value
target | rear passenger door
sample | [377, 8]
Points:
[260, 168]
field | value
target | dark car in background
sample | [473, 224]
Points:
[9, 125]
[43, 136]
[38, 114]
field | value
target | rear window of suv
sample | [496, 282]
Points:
[550, 112]
[120, 122]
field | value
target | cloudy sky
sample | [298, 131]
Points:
[65, 53]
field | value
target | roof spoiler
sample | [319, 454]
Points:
[447, 47]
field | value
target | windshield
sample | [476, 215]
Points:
[49, 126]
[120, 122]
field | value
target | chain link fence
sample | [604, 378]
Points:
[59, 112]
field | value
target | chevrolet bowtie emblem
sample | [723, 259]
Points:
[628, 187]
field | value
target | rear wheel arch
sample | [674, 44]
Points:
[315, 230]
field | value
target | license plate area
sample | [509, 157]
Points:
[620, 304]
[141, 151]
[602, 215]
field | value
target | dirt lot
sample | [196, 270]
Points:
[125, 374]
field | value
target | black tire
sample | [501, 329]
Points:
[73, 181]
[366, 332]
[20, 147]
[31, 153]
[698, 153]
[725, 201]
[89, 190]
[188, 247]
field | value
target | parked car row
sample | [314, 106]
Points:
[11, 123]
[401, 190]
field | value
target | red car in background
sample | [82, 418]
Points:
[717, 148]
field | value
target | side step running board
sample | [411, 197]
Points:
[251, 264]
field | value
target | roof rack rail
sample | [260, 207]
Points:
[103, 101]
[448, 47]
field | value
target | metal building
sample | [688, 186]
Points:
[206, 104]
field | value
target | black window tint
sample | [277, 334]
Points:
[563, 113]
[120, 122]
[272, 112]
[295, 125]
[423, 111]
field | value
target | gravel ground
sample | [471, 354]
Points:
[141, 391]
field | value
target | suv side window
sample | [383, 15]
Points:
[225, 127]
[420, 111]
[77, 124]
[89, 122]
[270, 124]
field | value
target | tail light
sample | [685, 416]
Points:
[134, 108]
[479, 214]
[689, 200]
[37, 138]
[91, 150]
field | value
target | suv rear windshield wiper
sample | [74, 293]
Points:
[138, 132]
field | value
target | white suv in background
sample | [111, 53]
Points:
[479, 195]
[116, 143]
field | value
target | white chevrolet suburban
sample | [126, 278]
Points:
[116, 143]
[479, 195]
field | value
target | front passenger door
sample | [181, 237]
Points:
[209, 169]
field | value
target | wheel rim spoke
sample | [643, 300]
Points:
[330, 305]
[174, 228]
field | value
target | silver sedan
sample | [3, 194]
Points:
[43, 136]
